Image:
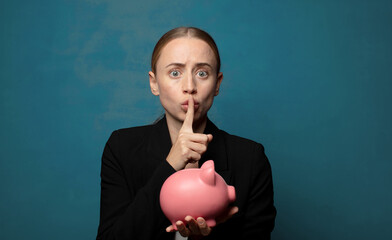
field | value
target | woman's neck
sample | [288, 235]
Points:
[174, 126]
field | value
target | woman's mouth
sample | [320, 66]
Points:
[184, 105]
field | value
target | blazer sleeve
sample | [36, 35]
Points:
[125, 214]
[260, 213]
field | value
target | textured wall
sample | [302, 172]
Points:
[311, 80]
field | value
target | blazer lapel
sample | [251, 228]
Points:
[159, 143]
[216, 151]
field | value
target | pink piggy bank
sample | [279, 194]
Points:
[197, 193]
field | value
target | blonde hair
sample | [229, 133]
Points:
[184, 32]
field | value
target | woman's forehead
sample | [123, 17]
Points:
[187, 50]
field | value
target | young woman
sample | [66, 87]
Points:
[185, 74]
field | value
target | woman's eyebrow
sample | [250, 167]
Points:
[183, 65]
[203, 64]
[176, 64]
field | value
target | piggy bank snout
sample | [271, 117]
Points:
[231, 192]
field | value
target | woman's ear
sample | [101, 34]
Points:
[153, 83]
[218, 83]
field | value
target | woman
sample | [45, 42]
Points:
[185, 74]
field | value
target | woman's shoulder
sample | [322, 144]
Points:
[130, 134]
[240, 142]
[230, 139]
[246, 155]
[134, 131]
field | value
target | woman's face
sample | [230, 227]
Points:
[186, 66]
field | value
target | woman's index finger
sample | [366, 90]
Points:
[187, 125]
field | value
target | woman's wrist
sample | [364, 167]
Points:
[176, 165]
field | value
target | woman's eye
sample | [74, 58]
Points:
[202, 74]
[174, 73]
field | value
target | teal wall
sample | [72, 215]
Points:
[311, 80]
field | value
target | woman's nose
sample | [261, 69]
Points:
[189, 85]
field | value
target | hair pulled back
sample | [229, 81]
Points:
[179, 32]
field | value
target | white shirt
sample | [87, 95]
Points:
[179, 237]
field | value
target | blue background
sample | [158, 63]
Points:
[311, 80]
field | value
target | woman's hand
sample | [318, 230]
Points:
[199, 228]
[189, 146]
[193, 228]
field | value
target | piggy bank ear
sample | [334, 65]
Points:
[207, 173]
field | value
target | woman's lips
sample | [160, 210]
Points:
[184, 105]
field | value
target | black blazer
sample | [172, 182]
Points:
[134, 169]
